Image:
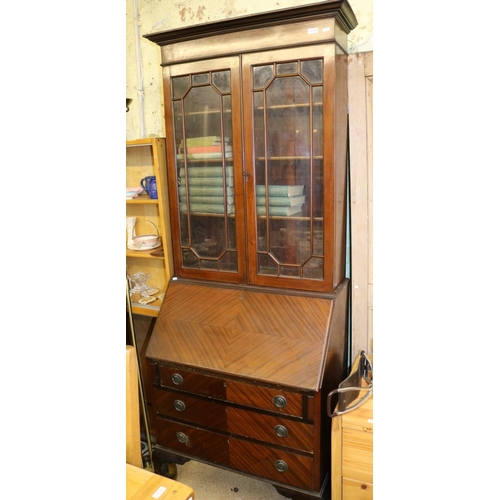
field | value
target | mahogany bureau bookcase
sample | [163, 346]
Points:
[252, 334]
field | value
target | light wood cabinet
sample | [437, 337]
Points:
[352, 452]
[146, 157]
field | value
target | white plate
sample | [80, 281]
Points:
[143, 249]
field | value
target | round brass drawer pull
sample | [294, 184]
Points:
[177, 379]
[281, 466]
[182, 438]
[279, 401]
[281, 431]
[179, 405]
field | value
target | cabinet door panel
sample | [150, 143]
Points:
[205, 179]
[285, 100]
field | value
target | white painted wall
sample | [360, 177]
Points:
[143, 72]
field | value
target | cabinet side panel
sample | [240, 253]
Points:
[340, 121]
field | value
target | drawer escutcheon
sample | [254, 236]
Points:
[281, 431]
[182, 438]
[179, 405]
[281, 465]
[279, 401]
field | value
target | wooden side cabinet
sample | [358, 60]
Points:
[146, 157]
[352, 452]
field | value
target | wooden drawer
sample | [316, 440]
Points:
[271, 429]
[205, 412]
[264, 461]
[189, 381]
[356, 490]
[192, 441]
[267, 398]
[357, 451]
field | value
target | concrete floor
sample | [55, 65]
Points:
[213, 483]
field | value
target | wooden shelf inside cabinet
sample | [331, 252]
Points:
[147, 157]
[288, 158]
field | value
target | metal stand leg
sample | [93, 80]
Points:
[141, 386]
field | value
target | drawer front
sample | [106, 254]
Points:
[272, 464]
[190, 440]
[271, 429]
[193, 410]
[356, 490]
[273, 399]
[196, 383]
[357, 455]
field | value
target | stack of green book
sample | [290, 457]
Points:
[206, 190]
[281, 200]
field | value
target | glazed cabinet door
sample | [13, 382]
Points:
[203, 124]
[288, 100]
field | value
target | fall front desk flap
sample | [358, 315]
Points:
[268, 336]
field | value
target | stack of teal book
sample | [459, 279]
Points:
[206, 190]
[283, 200]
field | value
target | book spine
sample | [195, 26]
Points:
[207, 181]
[206, 172]
[208, 140]
[275, 190]
[206, 191]
[206, 149]
[211, 200]
[206, 208]
[280, 211]
[281, 201]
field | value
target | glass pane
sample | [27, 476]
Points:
[200, 79]
[312, 70]
[288, 130]
[286, 68]
[314, 269]
[317, 118]
[267, 265]
[262, 75]
[180, 86]
[203, 131]
[221, 81]
[259, 144]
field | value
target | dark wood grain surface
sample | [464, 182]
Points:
[270, 337]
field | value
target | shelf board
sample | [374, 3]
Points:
[288, 106]
[208, 214]
[142, 200]
[145, 310]
[288, 158]
[145, 254]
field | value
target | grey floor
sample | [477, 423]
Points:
[213, 483]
